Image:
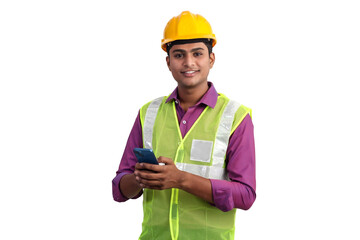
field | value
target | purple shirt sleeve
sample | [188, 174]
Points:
[240, 157]
[128, 160]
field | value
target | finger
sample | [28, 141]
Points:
[143, 166]
[167, 161]
[137, 171]
[139, 166]
[147, 175]
[153, 167]
[152, 184]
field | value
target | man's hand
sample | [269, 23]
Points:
[159, 177]
[166, 176]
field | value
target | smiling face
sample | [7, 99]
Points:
[190, 64]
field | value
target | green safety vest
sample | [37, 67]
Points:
[175, 214]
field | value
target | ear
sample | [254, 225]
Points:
[168, 62]
[212, 59]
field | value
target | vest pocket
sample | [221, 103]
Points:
[201, 150]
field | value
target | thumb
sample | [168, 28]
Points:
[167, 161]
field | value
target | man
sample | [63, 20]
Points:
[204, 140]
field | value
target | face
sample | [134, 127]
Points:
[190, 64]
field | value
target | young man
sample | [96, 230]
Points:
[204, 140]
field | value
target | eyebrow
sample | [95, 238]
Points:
[192, 50]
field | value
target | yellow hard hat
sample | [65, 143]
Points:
[187, 26]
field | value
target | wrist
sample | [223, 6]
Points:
[183, 180]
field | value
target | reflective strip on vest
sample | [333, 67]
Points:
[222, 140]
[149, 122]
[204, 171]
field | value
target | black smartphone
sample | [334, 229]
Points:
[145, 155]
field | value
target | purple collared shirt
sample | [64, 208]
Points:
[239, 192]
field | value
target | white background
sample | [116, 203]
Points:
[74, 74]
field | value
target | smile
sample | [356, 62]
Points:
[189, 73]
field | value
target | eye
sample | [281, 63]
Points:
[197, 54]
[178, 55]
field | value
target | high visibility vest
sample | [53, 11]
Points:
[173, 213]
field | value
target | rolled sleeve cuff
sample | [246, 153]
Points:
[222, 195]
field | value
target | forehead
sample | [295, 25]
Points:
[189, 47]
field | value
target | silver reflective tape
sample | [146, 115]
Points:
[149, 121]
[223, 135]
[210, 172]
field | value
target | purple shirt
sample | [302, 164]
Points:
[239, 192]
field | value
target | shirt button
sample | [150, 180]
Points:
[184, 122]
[176, 102]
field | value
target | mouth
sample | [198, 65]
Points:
[190, 73]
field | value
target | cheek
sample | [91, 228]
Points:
[173, 70]
[173, 66]
[206, 66]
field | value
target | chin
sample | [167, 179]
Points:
[191, 83]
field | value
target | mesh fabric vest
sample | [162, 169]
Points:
[173, 213]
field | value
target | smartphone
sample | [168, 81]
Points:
[145, 155]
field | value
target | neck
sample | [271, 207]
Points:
[190, 96]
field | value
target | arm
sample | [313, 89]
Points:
[240, 191]
[124, 185]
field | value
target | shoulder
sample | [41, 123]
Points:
[240, 115]
[234, 106]
[153, 106]
[238, 110]
[156, 101]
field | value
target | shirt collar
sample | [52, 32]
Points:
[209, 98]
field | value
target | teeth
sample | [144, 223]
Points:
[190, 72]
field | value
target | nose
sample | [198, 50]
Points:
[189, 61]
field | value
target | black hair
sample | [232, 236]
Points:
[208, 43]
